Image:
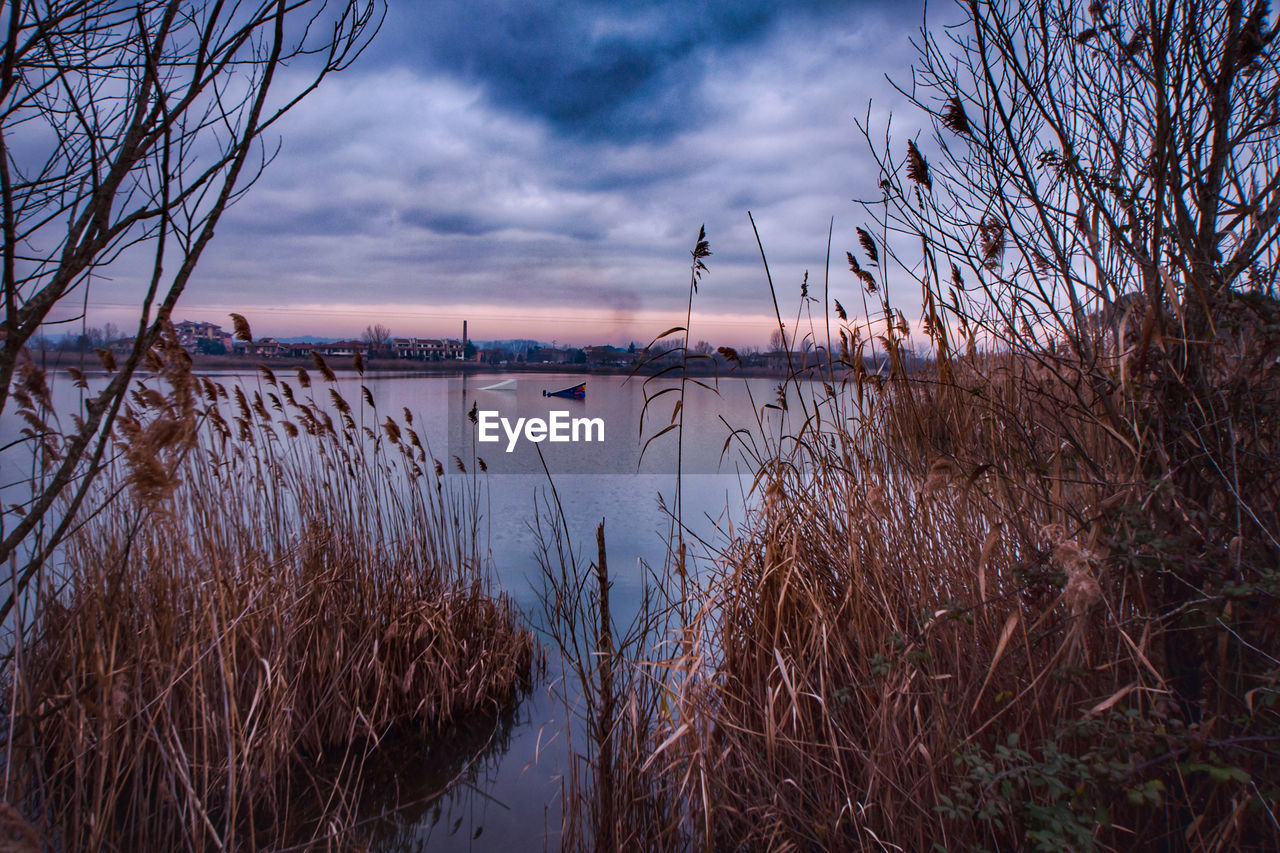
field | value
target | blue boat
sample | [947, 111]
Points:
[577, 392]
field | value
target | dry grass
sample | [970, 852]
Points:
[969, 610]
[269, 597]
[876, 622]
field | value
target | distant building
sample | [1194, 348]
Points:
[263, 348]
[342, 349]
[548, 355]
[202, 337]
[427, 349]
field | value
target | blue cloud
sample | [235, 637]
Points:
[592, 70]
[451, 223]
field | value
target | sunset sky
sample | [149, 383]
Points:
[541, 169]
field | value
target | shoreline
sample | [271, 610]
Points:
[90, 365]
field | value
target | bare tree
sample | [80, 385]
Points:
[129, 128]
[1092, 164]
[1099, 202]
[1089, 152]
[378, 337]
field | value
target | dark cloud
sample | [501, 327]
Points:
[592, 70]
[447, 222]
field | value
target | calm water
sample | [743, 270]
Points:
[512, 801]
[507, 793]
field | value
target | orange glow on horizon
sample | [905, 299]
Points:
[564, 325]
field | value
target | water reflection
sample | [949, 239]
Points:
[421, 792]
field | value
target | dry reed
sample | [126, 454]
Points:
[946, 624]
[270, 597]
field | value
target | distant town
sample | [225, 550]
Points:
[210, 344]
